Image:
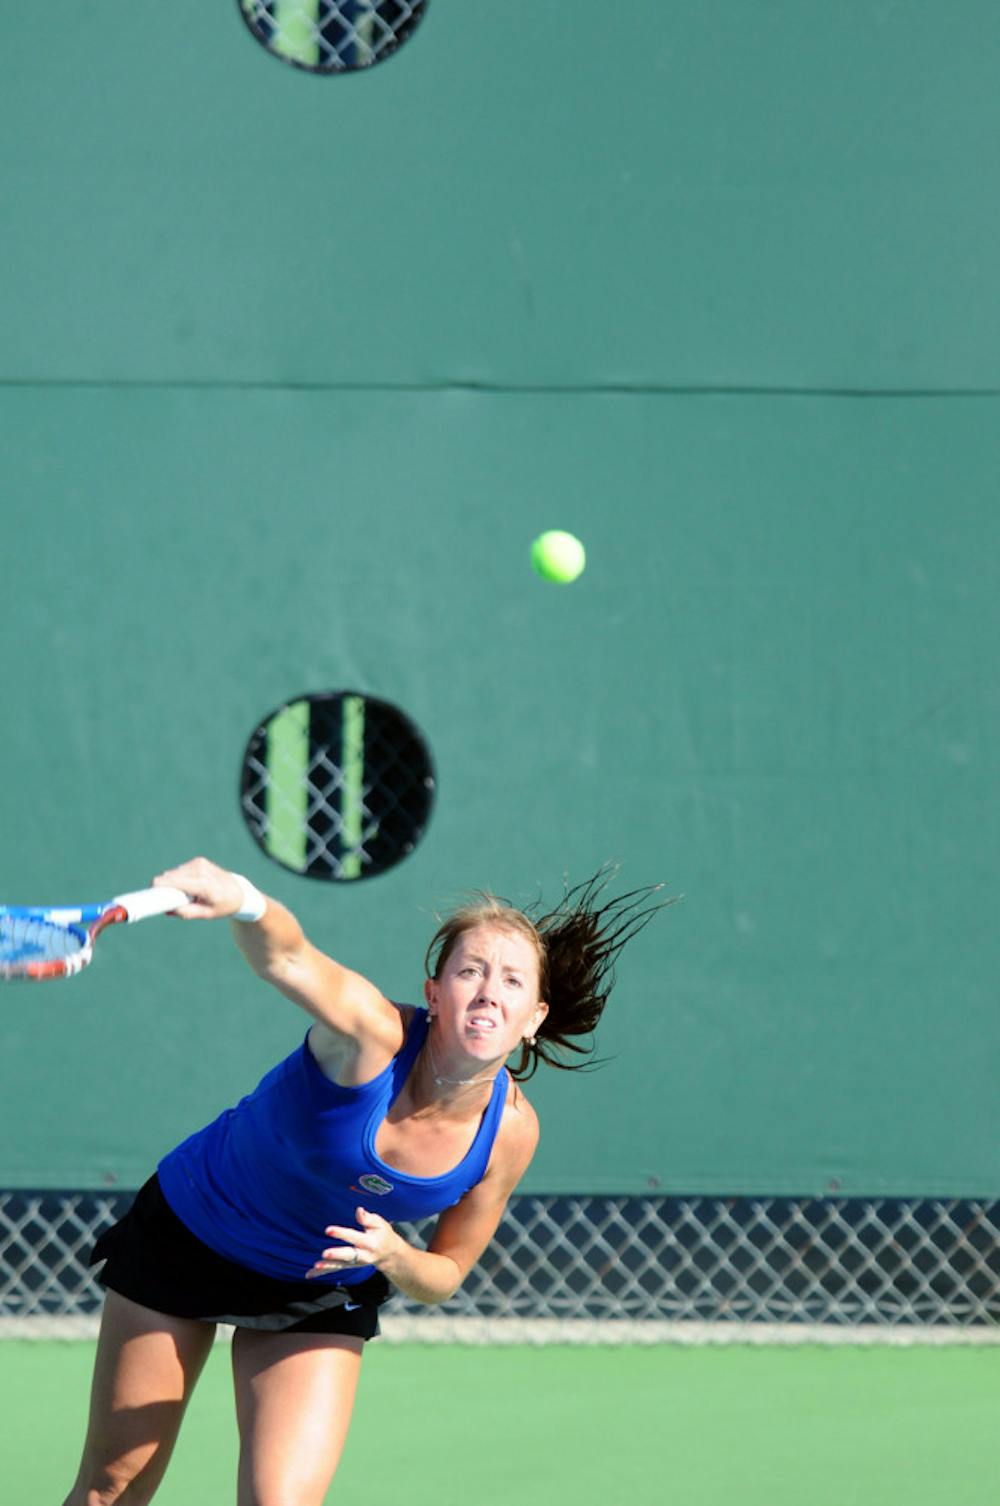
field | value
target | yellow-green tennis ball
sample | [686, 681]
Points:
[558, 556]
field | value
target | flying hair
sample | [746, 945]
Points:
[577, 945]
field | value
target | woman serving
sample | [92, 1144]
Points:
[278, 1218]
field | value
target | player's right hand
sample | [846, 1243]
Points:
[215, 892]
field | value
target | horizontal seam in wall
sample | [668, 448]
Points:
[588, 389]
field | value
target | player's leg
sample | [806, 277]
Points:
[294, 1398]
[146, 1368]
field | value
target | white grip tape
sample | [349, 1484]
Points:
[146, 902]
[254, 903]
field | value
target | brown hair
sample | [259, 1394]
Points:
[577, 945]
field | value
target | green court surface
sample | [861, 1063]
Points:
[636, 1426]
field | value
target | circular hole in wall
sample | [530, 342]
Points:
[332, 36]
[337, 785]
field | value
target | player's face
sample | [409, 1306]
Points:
[486, 999]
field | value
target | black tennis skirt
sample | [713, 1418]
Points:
[152, 1258]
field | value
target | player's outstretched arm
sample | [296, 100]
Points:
[278, 950]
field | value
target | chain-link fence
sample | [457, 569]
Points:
[624, 1260]
[337, 785]
[331, 36]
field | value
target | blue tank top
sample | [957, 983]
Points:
[261, 1183]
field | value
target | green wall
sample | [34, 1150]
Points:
[293, 369]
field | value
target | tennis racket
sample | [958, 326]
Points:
[54, 941]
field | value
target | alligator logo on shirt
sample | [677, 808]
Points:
[372, 1183]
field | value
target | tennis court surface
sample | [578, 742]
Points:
[630, 1426]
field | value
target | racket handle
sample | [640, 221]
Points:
[146, 902]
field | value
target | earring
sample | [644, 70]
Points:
[531, 1040]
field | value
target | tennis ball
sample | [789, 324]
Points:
[558, 556]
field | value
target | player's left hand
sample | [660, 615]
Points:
[373, 1243]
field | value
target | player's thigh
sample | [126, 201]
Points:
[294, 1398]
[146, 1367]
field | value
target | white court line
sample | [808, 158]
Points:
[402, 1328]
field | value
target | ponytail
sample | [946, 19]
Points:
[577, 944]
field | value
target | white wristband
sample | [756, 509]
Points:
[254, 903]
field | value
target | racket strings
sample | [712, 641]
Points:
[28, 939]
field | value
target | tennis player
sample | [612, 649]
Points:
[278, 1218]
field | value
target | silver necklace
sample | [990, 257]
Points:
[453, 1082]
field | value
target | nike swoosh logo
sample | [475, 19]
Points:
[352, 1307]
